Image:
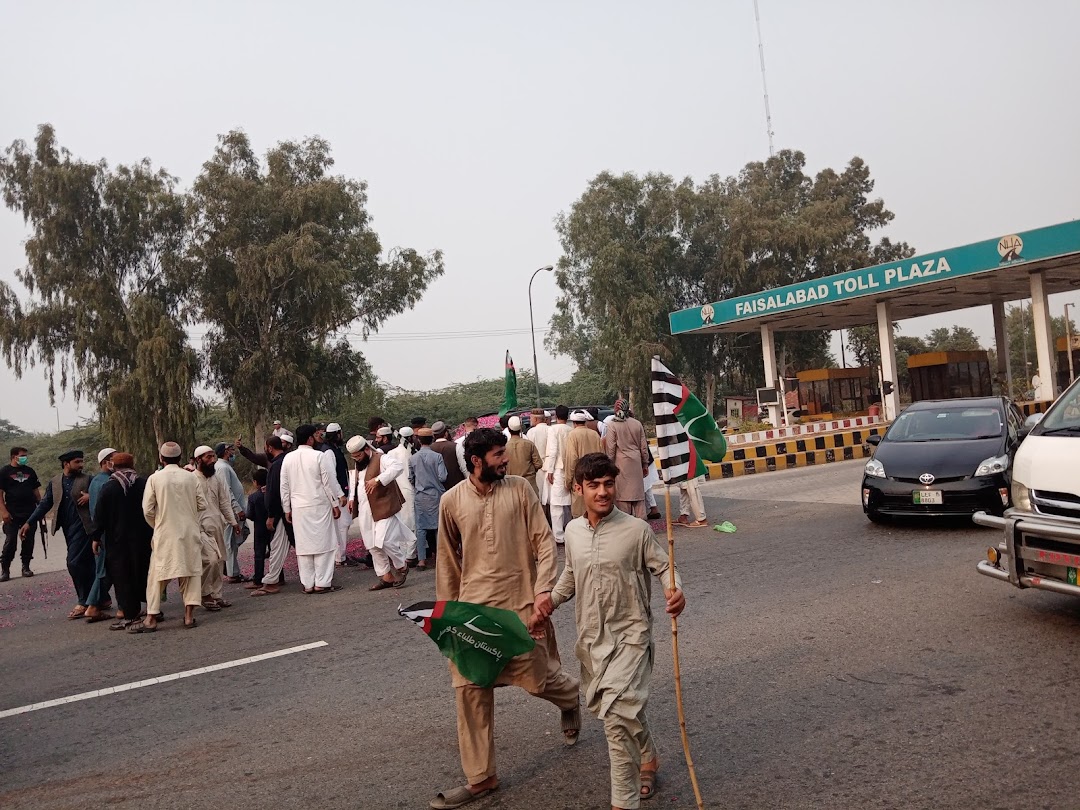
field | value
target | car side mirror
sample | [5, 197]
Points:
[1029, 423]
[874, 439]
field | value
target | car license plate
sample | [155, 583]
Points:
[1071, 576]
[927, 497]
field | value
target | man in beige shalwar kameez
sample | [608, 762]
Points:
[610, 557]
[173, 505]
[220, 517]
[625, 444]
[496, 548]
[581, 441]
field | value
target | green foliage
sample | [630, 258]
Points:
[636, 248]
[1020, 326]
[9, 432]
[284, 260]
[106, 289]
[960, 339]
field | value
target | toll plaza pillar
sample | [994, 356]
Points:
[768, 352]
[890, 403]
[1044, 339]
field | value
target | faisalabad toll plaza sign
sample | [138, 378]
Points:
[981, 257]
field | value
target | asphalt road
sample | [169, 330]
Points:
[826, 663]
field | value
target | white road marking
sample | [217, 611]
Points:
[124, 687]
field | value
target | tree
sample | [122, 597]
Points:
[284, 261]
[1020, 327]
[103, 273]
[960, 339]
[10, 432]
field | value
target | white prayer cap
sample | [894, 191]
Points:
[287, 438]
[277, 421]
[202, 449]
[170, 450]
[333, 427]
[356, 444]
[104, 453]
[385, 430]
[514, 423]
[609, 419]
[406, 432]
[580, 417]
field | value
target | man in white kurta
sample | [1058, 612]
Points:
[172, 505]
[538, 435]
[402, 453]
[220, 517]
[385, 534]
[310, 496]
[559, 498]
[611, 558]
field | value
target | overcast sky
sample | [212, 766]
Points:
[476, 123]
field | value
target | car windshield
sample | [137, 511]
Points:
[946, 424]
[1064, 415]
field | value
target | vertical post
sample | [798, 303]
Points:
[768, 353]
[890, 403]
[1001, 345]
[1068, 343]
[1044, 338]
[532, 331]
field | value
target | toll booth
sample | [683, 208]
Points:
[740, 409]
[950, 375]
[1063, 379]
[825, 391]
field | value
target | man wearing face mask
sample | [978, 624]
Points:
[20, 491]
[67, 502]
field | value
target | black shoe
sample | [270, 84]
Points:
[411, 562]
[26, 572]
[5, 575]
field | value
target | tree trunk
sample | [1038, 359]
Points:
[710, 390]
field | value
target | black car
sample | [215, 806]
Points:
[944, 457]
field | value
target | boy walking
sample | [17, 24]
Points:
[610, 556]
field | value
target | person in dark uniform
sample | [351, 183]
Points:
[20, 491]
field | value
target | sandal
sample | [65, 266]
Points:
[100, 616]
[211, 605]
[121, 624]
[648, 784]
[222, 603]
[570, 722]
[77, 613]
[263, 592]
[382, 585]
[194, 623]
[139, 627]
[331, 589]
[458, 797]
[253, 586]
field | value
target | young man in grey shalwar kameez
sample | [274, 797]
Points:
[610, 556]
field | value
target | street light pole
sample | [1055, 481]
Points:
[1068, 343]
[532, 329]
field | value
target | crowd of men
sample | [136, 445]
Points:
[492, 508]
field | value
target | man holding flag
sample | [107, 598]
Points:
[496, 549]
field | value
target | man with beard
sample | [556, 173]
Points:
[280, 532]
[610, 559]
[334, 454]
[524, 457]
[427, 474]
[377, 499]
[218, 518]
[625, 444]
[67, 501]
[173, 505]
[311, 497]
[496, 549]
[226, 457]
[122, 530]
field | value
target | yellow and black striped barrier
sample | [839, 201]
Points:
[788, 454]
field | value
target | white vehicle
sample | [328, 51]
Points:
[1042, 529]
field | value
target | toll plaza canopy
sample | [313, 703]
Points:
[1030, 264]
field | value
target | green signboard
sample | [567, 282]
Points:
[981, 257]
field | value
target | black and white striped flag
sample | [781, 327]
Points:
[686, 434]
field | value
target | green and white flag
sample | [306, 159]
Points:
[686, 433]
[480, 640]
[510, 400]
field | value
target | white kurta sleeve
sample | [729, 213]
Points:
[390, 469]
[461, 458]
[329, 464]
[551, 457]
[328, 480]
[286, 488]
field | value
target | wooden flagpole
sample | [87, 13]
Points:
[675, 651]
